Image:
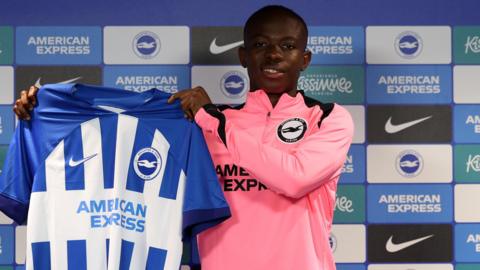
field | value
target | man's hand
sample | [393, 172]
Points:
[191, 100]
[26, 102]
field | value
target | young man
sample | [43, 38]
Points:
[278, 157]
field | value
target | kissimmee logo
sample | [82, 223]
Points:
[6, 45]
[410, 243]
[409, 204]
[350, 204]
[472, 45]
[58, 45]
[466, 44]
[467, 123]
[169, 79]
[236, 178]
[467, 163]
[409, 84]
[467, 243]
[336, 45]
[353, 170]
[408, 44]
[344, 85]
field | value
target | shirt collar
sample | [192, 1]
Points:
[258, 101]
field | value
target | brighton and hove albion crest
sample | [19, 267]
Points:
[146, 45]
[409, 163]
[408, 44]
[234, 84]
[147, 163]
[292, 130]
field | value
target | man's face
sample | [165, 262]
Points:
[274, 54]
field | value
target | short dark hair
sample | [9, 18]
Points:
[270, 9]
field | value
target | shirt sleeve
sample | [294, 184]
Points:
[17, 175]
[204, 205]
[317, 159]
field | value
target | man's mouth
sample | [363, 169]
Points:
[272, 72]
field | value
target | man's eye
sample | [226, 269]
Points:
[259, 44]
[288, 46]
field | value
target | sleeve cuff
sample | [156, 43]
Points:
[13, 209]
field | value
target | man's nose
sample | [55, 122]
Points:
[273, 52]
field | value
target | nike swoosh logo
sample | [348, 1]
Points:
[73, 163]
[392, 248]
[39, 85]
[215, 49]
[391, 128]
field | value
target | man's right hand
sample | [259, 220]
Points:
[26, 102]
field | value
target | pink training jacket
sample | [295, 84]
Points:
[279, 169]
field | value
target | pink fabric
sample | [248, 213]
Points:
[286, 226]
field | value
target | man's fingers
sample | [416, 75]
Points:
[20, 110]
[32, 95]
[178, 95]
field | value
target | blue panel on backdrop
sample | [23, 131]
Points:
[409, 84]
[409, 203]
[354, 167]
[170, 79]
[58, 45]
[336, 45]
[466, 123]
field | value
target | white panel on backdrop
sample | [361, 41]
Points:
[348, 243]
[224, 84]
[6, 85]
[466, 84]
[410, 267]
[409, 163]
[467, 203]
[358, 115]
[408, 44]
[146, 45]
[4, 219]
[20, 244]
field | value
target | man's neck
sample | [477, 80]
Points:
[274, 98]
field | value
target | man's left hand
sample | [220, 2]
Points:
[191, 100]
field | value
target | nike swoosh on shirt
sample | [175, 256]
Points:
[38, 85]
[391, 128]
[392, 248]
[215, 49]
[75, 163]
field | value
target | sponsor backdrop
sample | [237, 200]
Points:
[408, 72]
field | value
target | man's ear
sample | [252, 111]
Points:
[307, 57]
[242, 55]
